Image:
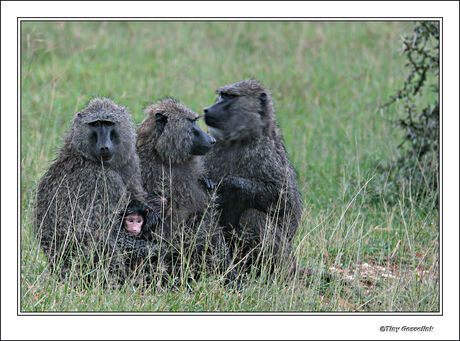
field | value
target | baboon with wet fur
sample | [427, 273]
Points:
[170, 146]
[79, 199]
[259, 198]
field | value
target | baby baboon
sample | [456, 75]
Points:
[260, 201]
[79, 199]
[134, 218]
[134, 221]
[170, 145]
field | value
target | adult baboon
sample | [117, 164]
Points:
[170, 145]
[80, 197]
[260, 201]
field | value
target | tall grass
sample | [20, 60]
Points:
[327, 80]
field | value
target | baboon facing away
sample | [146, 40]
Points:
[170, 146]
[260, 201]
[80, 197]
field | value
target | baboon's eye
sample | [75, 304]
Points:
[113, 135]
[138, 221]
[95, 124]
[227, 96]
[94, 137]
[108, 123]
[161, 121]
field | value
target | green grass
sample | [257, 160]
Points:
[327, 81]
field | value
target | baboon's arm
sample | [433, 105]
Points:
[140, 247]
[153, 218]
[258, 195]
[146, 249]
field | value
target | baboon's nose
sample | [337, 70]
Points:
[205, 110]
[212, 140]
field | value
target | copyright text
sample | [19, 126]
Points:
[393, 329]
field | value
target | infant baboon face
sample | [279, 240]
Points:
[133, 224]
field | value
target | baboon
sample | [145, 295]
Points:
[133, 222]
[259, 198]
[80, 197]
[134, 218]
[170, 146]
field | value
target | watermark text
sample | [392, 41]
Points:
[394, 329]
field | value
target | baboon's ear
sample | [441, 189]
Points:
[263, 103]
[161, 120]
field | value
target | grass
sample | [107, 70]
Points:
[327, 80]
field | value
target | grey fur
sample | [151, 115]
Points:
[260, 199]
[80, 197]
[170, 170]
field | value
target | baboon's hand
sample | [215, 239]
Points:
[253, 194]
[207, 182]
[153, 219]
[232, 192]
[157, 201]
[236, 185]
[159, 205]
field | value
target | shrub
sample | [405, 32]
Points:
[417, 164]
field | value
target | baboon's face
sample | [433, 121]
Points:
[133, 223]
[180, 137]
[234, 116]
[104, 132]
[201, 142]
[103, 140]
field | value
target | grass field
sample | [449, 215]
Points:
[327, 80]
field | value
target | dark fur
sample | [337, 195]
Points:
[170, 169]
[80, 197]
[260, 200]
